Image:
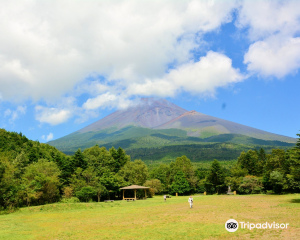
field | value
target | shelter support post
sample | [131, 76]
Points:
[135, 194]
[123, 193]
[145, 193]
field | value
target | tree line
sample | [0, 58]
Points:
[33, 173]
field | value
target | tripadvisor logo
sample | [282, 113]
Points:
[231, 225]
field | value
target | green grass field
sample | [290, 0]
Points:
[156, 219]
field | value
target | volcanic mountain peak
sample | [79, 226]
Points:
[162, 114]
[148, 112]
[157, 123]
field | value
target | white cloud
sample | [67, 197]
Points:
[7, 113]
[91, 87]
[107, 100]
[156, 87]
[274, 58]
[102, 100]
[52, 116]
[46, 47]
[48, 137]
[269, 17]
[202, 77]
[49, 47]
[58, 112]
[273, 26]
[20, 110]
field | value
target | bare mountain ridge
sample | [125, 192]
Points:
[198, 123]
[148, 114]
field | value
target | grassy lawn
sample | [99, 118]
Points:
[155, 219]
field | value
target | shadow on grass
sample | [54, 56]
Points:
[295, 201]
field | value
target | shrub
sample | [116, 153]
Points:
[86, 193]
[251, 185]
[68, 192]
[70, 200]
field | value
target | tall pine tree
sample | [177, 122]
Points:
[215, 180]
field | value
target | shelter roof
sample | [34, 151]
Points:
[134, 187]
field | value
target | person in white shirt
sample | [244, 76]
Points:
[165, 197]
[191, 201]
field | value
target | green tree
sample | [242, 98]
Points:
[295, 160]
[215, 180]
[9, 185]
[99, 158]
[250, 185]
[180, 184]
[278, 161]
[120, 157]
[79, 160]
[111, 181]
[236, 176]
[77, 181]
[182, 164]
[262, 158]
[154, 184]
[100, 189]
[293, 176]
[86, 193]
[20, 162]
[162, 173]
[238, 171]
[134, 172]
[249, 161]
[201, 173]
[41, 180]
[277, 180]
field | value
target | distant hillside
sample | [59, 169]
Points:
[158, 123]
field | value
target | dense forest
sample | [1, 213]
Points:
[197, 152]
[33, 173]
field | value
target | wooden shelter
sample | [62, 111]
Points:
[133, 187]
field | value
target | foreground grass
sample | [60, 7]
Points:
[155, 219]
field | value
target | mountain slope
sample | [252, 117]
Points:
[198, 125]
[157, 123]
[149, 113]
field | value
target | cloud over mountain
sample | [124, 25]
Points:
[46, 47]
[114, 52]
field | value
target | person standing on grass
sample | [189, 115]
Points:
[191, 201]
[165, 197]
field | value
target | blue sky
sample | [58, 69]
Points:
[64, 65]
